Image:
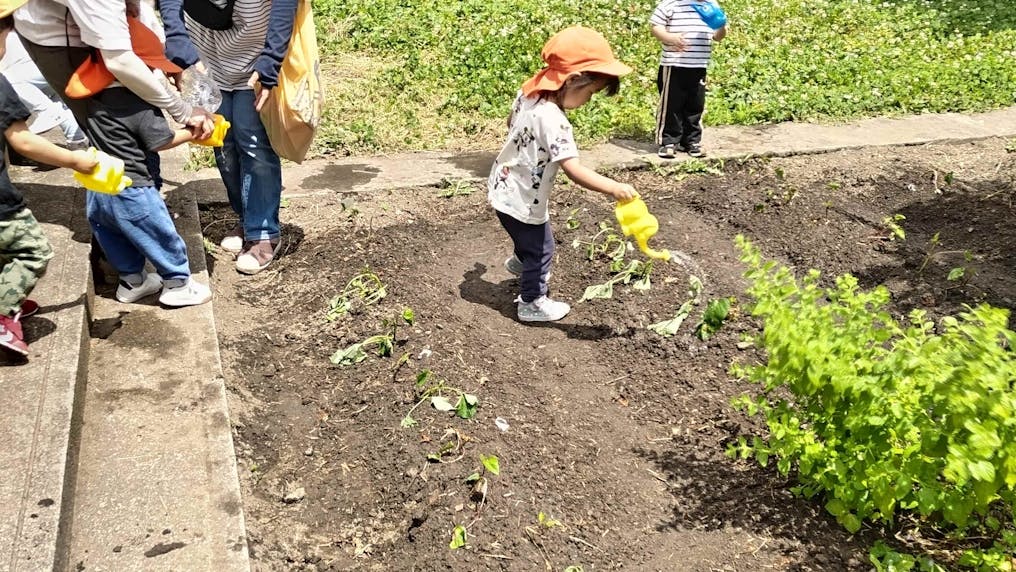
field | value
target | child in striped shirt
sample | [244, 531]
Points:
[681, 80]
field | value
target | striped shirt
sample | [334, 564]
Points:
[679, 17]
[230, 54]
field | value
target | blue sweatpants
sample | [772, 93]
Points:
[534, 246]
[135, 225]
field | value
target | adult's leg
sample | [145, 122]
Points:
[227, 157]
[259, 168]
[24, 252]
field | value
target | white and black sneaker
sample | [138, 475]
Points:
[128, 292]
[178, 293]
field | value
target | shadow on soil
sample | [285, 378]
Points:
[974, 233]
[716, 494]
[478, 291]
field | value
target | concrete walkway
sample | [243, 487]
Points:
[363, 174]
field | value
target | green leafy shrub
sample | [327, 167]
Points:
[879, 416]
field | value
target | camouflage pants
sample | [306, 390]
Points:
[24, 253]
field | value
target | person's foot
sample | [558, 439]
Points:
[29, 308]
[184, 292]
[696, 151]
[542, 309]
[233, 241]
[11, 336]
[666, 152]
[513, 265]
[258, 255]
[135, 287]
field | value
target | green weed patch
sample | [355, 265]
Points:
[443, 74]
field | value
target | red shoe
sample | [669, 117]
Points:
[11, 336]
[29, 308]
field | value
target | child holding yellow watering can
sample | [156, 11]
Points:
[580, 63]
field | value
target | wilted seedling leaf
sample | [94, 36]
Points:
[716, 312]
[491, 463]
[408, 421]
[458, 537]
[352, 355]
[441, 403]
[595, 291]
[956, 274]
[409, 316]
[466, 406]
[473, 478]
[423, 377]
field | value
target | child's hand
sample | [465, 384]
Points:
[84, 161]
[677, 42]
[622, 192]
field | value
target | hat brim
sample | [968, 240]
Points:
[550, 79]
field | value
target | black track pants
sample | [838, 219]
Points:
[682, 101]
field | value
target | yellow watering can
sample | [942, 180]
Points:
[107, 177]
[218, 133]
[635, 220]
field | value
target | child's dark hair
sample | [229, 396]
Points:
[584, 78]
[6, 23]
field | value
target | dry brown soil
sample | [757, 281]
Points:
[614, 432]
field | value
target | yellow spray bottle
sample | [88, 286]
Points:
[218, 133]
[635, 221]
[107, 177]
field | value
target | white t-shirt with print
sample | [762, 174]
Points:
[539, 138]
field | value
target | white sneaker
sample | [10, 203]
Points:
[542, 309]
[232, 243]
[129, 294]
[190, 293]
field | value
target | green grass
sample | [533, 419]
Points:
[427, 75]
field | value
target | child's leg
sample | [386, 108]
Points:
[118, 248]
[25, 252]
[143, 219]
[694, 81]
[668, 114]
[534, 245]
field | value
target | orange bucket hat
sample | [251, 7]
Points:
[570, 52]
[92, 76]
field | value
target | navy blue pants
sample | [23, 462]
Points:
[534, 246]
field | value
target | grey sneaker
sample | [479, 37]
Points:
[542, 309]
[666, 152]
[695, 151]
[128, 294]
[513, 265]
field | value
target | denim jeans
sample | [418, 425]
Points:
[534, 246]
[135, 225]
[249, 167]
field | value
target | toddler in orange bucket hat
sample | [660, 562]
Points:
[580, 63]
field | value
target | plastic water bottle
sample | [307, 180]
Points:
[200, 90]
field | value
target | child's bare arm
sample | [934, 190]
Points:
[671, 39]
[594, 181]
[180, 136]
[720, 34]
[39, 149]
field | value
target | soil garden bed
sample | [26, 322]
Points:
[615, 435]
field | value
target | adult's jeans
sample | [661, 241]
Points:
[249, 167]
[135, 225]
